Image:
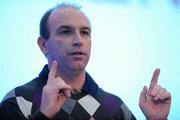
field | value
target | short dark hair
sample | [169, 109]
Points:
[44, 30]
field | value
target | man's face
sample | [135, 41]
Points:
[70, 39]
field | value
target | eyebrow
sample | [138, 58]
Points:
[86, 28]
[69, 27]
[64, 27]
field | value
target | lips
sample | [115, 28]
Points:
[76, 53]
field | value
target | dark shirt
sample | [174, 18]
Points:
[91, 103]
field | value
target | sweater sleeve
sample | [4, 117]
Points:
[10, 111]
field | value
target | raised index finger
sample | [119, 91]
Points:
[53, 71]
[154, 79]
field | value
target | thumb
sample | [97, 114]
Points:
[143, 95]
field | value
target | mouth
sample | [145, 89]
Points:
[78, 53]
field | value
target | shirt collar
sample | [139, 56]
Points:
[90, 86]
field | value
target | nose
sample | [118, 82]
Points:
[77, 40]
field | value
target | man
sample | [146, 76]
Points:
[64, 90]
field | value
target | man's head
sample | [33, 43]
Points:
[44, 30]
[65, 36]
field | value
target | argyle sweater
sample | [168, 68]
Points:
[92, 103]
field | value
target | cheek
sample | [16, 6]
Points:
[58, 50]
[88, 45]
[87, 41]
[53, 49]
[61, 49]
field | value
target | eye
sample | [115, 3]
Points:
[85, 33]
[65, 32]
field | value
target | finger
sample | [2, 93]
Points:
[53, 71]
[166, 96]
[63, 88]
[67, 92]
[143, 95]
[159, 94]
[154, 79]
[154, 91]
[62, 84]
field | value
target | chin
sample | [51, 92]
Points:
[78, 67]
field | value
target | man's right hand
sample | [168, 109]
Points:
[52, 100]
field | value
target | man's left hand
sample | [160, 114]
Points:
[155, 102]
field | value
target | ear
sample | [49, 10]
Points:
[42, 43]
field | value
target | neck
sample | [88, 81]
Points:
[75, 79]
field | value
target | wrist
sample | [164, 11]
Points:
[47, 113]
[38, 115]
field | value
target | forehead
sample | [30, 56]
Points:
[69, 17]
